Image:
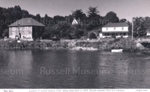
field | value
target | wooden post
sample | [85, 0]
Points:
[132, 27]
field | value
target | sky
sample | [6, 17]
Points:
[124, 8]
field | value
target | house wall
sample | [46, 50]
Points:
[115, 29]
[26, 32]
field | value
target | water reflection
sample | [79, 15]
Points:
[73, 69]
[17, 68]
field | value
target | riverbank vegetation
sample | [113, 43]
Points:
[102, 45]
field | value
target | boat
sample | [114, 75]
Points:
[117, 50]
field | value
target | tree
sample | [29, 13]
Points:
[62, 29]
[94, 19]
[50, 32]
[58, 19]
[69, 19]
[123, 20]
[78, 14]
[16, 12]
[147, 23]
[38, 17]
[139, 28]
[25, 14]
[5, 33]
[112, 17]
[130, 27]
[77, 32]
[92, 35]
[93, 12]
[47, 20]
[1, 11]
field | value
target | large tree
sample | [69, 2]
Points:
[94, 19]
[58, 19]
[47, 20]
[123, 20]
[25, 14]
[69, 19]
[111, 17]
[79, 14]
[139, 27]
[147, 23]
[93, 12]
[38, 17]
[16, 12]
[130, 27]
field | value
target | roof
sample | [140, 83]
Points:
[26, 22]
[116, 25]
[75, 22]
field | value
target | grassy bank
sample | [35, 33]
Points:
[108, 44]
[12, 44]
[103, 44]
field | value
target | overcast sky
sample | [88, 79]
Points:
[124, 8]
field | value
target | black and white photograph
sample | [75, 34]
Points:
[74, 44]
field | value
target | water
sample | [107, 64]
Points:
[73, 69]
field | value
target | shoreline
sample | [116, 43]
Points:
[88, 45]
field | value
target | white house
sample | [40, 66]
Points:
[75, 22]
[26, 29]
[115, 30]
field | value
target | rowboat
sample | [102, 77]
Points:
[117, 50]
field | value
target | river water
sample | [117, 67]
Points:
[73, 69]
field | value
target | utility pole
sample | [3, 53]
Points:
[132, 27]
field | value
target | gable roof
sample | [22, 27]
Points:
[26, 22]
[75, 22]
[116, 25]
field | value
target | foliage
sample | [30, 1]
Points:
[5, 33]
[93, 12]
[130, 27]
[59, 26]
[123, 20]
[140, 27]
[79, 14]
[92, 35]
[112, 17]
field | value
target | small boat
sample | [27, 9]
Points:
[117, 50]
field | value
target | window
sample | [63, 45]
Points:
[106, 28]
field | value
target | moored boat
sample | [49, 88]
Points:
[117, 50]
